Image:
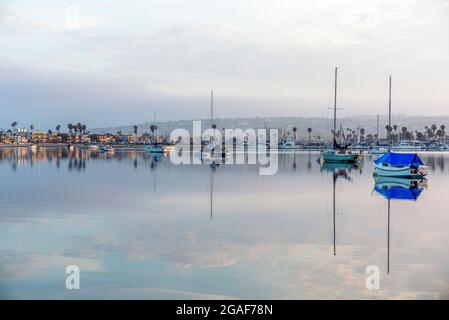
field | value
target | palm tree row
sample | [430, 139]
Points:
[78, 128]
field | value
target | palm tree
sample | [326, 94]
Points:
[294, 132]
[404, 132]
[70, 127]
[79, 126]
[135, 128]
[389, 130]
[13, 125]
[429, 133]
[362, 133]
[434, 128]
[84, 127]
[309, 130]
[31, 128]
[58, 128]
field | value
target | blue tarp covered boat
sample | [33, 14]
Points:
[400, 165]
[400, 159]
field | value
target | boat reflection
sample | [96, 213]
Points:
[339, 170]
[397, 189]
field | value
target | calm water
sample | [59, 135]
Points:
[141, 227]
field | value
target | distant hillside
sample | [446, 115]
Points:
[320, 126]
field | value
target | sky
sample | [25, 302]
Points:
[112, 62]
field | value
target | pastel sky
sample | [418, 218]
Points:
[112, 62]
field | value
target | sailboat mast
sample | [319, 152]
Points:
[389, 110]
[154, 126]
[211, 107]
[335, 102]
[389, 103]
[377, 131]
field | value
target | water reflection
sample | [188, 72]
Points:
[342, 171]
[140, 227]
[392, 188]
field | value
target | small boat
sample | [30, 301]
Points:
[155, 148]
[107, 149]
[378, 150]
[287, 144]
[405, 146]
[94, 147]
[400, 165]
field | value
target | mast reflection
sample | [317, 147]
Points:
[397, 189]
[339, 171]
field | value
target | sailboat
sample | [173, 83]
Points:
[338, 153]
[214, 151]
[377, 149]
[155, 147]
[398, 164]
[406, 165]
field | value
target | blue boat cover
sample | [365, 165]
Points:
[400, 193]
[400, 159]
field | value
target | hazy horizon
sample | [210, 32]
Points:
[110, 63]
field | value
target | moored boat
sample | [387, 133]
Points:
[345, 156]
[155, 148]
[287, 144]
[405, 146]
[378, 150]
[400, 165]
[107, 149]
[338, 153]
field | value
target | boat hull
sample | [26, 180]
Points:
[398, 172]
[339, 158]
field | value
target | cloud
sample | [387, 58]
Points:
[257, 55]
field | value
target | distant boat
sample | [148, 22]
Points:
[405, 146]
[94, 147]
[378, 150]
[400, 165]
[338, 153]
[155, 148]
[287, 144]
[107, 149]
